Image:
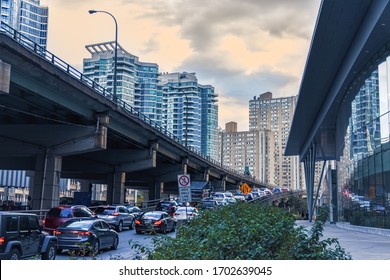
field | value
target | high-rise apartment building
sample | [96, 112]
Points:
[275, 115]
[28, 17]
[190, 111]
[209, 122]
[136, 80]
[175, 101]
[241, 150]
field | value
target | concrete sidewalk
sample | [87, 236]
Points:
[362, 243]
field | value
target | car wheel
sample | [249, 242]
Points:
[15, 254]
[132, 224]
[120, 226]
[95, 247]
[115, 243]
[50, 253]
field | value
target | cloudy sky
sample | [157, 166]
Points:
[243, 48]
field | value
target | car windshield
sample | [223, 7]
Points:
[60, 213]
[83, 225]
[183, 210]
[168, 204]
[151, 216]
[105, 210]
[210, 202]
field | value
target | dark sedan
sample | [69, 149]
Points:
[155, 221]
[86, 235]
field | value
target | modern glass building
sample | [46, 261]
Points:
[190, 111]
[364, 165]
[209, 136]
[27, 17]
[175, 101]
[182, 107]
[136, 80]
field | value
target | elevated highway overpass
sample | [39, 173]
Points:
[59, 124]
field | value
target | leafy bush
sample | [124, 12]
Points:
[245, 231]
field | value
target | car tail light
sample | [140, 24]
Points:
[43, 222]
[158, 222]
[57, 232]
[115, 214]
[82, 233]
[137, 222]
[2, 240]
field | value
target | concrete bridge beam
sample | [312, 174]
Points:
[97, 140]
[169, 174]
[140, 161]
[64, 140]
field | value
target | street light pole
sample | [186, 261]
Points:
[115, 51]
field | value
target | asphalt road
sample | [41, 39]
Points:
[124, 250]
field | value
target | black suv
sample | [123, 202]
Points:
[22, 237]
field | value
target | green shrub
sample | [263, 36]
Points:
[244, 231]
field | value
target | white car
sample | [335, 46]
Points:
[180, 213]
[219, 196]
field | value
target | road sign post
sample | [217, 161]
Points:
[184, 183]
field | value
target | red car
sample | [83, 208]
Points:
[60, 214]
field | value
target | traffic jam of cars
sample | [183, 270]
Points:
[80, 230]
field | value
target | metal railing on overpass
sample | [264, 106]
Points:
[73, 72]
[277, 196]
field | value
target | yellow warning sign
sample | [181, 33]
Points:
[245, 188]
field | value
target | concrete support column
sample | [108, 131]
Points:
[116, 188]
[45, 191]
[223, 184]
[5, 77]
[309, 164]
[85, 186]
[156, 191]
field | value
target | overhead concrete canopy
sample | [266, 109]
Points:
[350, 39]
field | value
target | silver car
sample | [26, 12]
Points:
[116, 215]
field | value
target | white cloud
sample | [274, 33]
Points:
[243, 48]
